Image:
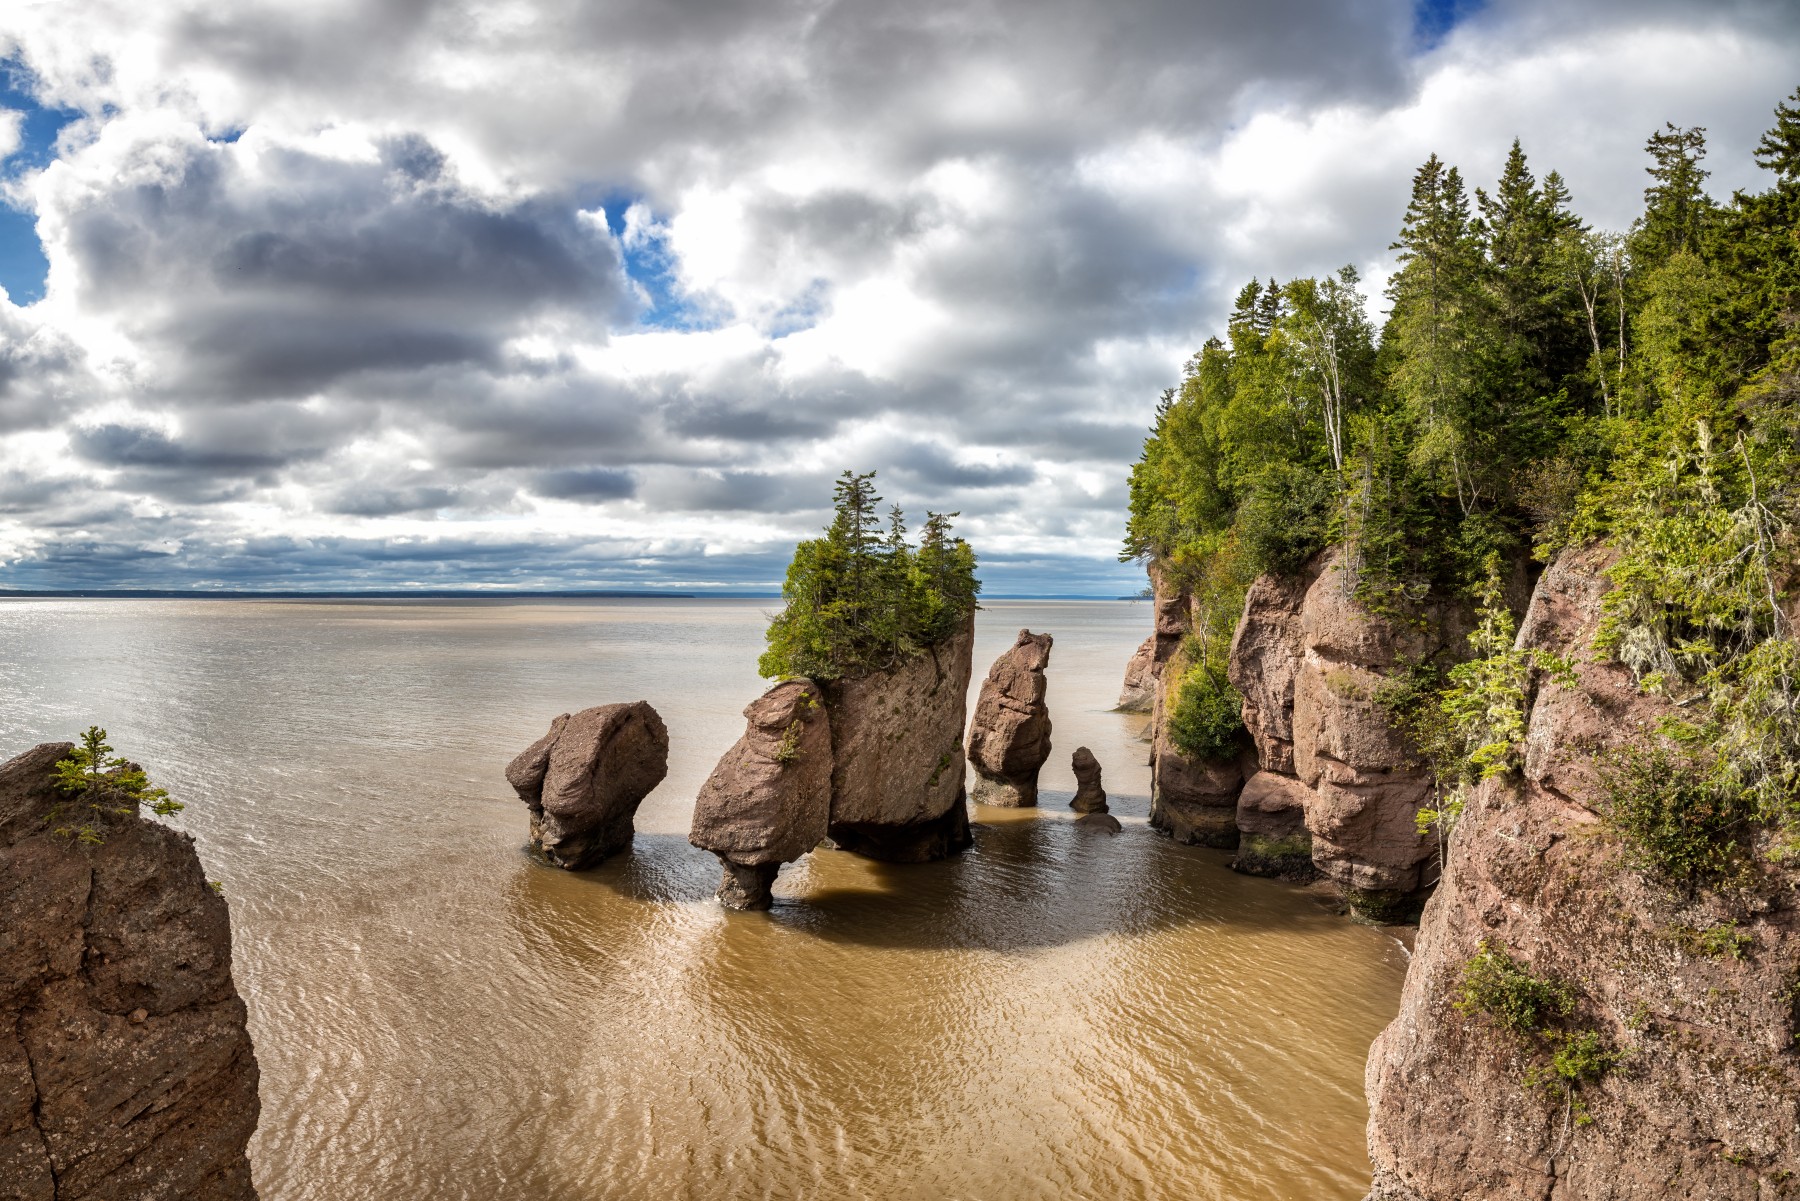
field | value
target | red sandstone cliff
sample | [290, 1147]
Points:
[1694, 1001]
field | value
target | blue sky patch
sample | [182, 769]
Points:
[1434, 19]
[652, 268]
[23, 266]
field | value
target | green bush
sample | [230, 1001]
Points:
[1497, 986]
[1286, 518]
[1207, 721]
[1672, 823]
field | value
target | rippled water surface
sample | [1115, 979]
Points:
[1055, 1014]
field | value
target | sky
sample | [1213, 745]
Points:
[574, 294]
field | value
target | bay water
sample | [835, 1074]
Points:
[1055, 1014]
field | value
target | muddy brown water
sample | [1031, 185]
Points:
[1056, 1014]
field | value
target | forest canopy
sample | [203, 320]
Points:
[1537, 383]
[863, 599]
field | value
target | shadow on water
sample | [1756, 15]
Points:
[1033, 880]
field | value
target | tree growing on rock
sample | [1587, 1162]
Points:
[859, 600]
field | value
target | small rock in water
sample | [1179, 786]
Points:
[1089, 796]
[1100, 820]
[585, 779]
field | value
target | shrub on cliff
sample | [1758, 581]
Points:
[860, 600]
[99, 783]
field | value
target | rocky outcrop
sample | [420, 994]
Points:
[1089, 796]
[1169, 606]
[585, 779]
[1272, 836]
[126, 1070]
[1009, 736]
[1691, 999]
[897, 755]
[1310, 661]
[768, 802]
[1138, 693]
[1192, 800]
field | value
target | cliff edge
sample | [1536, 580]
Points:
[126, 1070]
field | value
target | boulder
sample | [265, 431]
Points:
[897, 755]
[1009, 736]
[1138, 694]
[585, 779]
[768, 802]
[1089, 796]
[1099, 820]
[126, 1069]
[1272, 836]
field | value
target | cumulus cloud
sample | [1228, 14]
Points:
[562, 293]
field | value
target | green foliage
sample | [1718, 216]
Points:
[860, 600]
[1672, 823]
[101, 784]
[1577, 1057]
[1722, 941]
[1207, 720]
[1538, 384]
[1496, 986]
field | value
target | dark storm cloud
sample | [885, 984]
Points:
[928, 465]
[585, 483]
[270, 271]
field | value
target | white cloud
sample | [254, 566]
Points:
[333, 288]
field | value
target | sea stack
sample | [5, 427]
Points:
[1089, 796]
[897, 755]
[585, 779]
[1009, 738]
[126, 1069]
[768, 802]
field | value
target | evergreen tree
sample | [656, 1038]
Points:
[1779, 149]
[1435, 332]
[1676, 206]
[858, 601]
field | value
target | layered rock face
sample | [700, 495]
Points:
[585, 779]
[1009, 736]
[1706, 1101]
[126, 1070]
[1089, 797]
[1309, 660]
[769, 800]
[897, 755]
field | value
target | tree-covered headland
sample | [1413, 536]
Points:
[1538, 383]
[862, 598]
